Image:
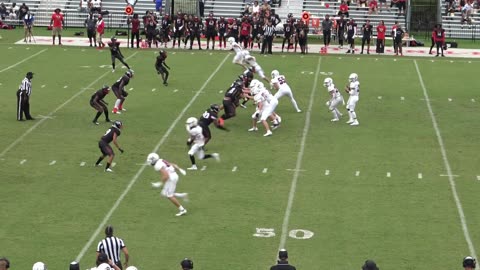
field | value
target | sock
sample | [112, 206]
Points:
[99, 160]
[181, 208]
[106, 115]
[192, 159]
[180, 195]
[117, 103]
[350, 115]
[335, 115]
[121, 104]
[207, 156]
[354, 115]
[113, 65]
[294, 102]
[97, 116]
[108, 165]
[338, 112]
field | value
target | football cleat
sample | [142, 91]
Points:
[334, 120]
[216, 156]
[253, 129]
[95, 122]
[181, 213]
[350, 121]
[275, 126]
[355, 123]
[193, 168]
[108, 170]
[269, 133]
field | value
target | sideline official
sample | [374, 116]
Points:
[23, 98]
[282, 263]
[111, 246]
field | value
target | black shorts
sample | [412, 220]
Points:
[229, 108]
[99, 106]
[221, 34]
[105, 148]
[205, 130]
[118, 56]
[161, 69]
[244, 38]
[178, 33]
[365, 38]
[210, 34]
[119, 93]
[350, 39]
[91, 33]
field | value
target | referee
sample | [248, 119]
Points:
[268, 33]
[111, 246]
[23, 98]
[327, 30]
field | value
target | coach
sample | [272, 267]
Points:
[23, 98]
[282, 263]
[111, 246]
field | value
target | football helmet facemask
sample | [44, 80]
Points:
[152, 158]
[353, 77]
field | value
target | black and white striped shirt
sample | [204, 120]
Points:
[111, 246]
[26, 86]
[269, 30]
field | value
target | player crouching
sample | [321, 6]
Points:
[196, 141]
[266, 104]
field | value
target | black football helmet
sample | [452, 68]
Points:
[469, 262]
[129, 73]
[186, 264]
[215, 107]
[117, 124]
[113, 39]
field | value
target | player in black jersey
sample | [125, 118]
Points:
[161, 66]
[178, 29]
[256, 32]
[208, 117]
[104, 144]
[195, 28]
[231, 99]
[222, 30]
[367, 30]
[165, 31]
[97, 102]
[288, 31]
[118, 89]
[116, 53]
[211, 30]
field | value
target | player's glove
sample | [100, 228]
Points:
[189, 142]
[121, 150]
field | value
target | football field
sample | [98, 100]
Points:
[400, 188]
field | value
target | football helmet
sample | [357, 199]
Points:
[254, 83]
[129, 73]
[186, 264]
[353, 77]
[327, 82]
[117, 124]
[113, 39]
[215, 108]
[152, 158]
[192, 122]
[469, 262]
[39, 266]
[231, 40]
[131, 268]
[275, 74]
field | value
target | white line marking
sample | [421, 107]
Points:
[463, 219]
[452, 175]
[327, 172]
[10, 48]
[154, 89]
[234, 169]
[52, 163]
[420, 176]
[357, 173]
[66, 86]
[478, 177]
[131, 88]
[139, 172]
[389, 174]
[203, 168]
[23, 161]
[379, 97]
[294, 170]
[402, 98]
[26, 59]
[265, 170]
[43, 116]
[298, 165]
[28, 48]
[82, 163]
[43, 86]
[114, 164]
[175, 90]
[21, 137]
[473, 100]
[449, 99]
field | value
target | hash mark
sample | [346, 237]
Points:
[82, 163]
[478, 177]
[175, 90]
[203, 168]
[52, 163]
[327, 172]
[402, 98]
[265, 170]
[388, 174]
[23, 161]
[234, 169]
[473, 100]
[43, 86]
[154, 89]
[357, 173]
[449, 99]
[379, 97]
[420, 176]
[66, 86]
[131, 88]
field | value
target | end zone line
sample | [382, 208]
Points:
[298, 165]
[26, 59]
[463, 219]
[139, 172]
[49, 115]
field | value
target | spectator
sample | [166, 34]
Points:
[399, 34]
[57, 24]
[367, 31]
[341, 25]
[91, 25]
[186, 264]
[434, 31]
[466, 12]
[85, 5]
[4, 263]
[111, 246]
[439, 39]
[28, 20]
[265, 9]
[282, 263]
[381, 30]
[201, 7]
[100, 31]
[373, 7]
[255, 8]
[384, 4]
[369, 265]
[402, 6]
[22, 11]
[3, 11]
[343, 9]
[158, 6]
[96, 6]
[13, 11]
[361, 3]
[136, 30]
[469, 263]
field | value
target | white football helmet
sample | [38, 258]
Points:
[275, 74]
[131, 268]
[192, 122]
[39, 266]
[353, 77]
[231, 40]
[152, 158]
[327, 82]
[254, 83]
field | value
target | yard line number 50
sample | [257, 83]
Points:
[296, 234]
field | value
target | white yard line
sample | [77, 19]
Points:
[40, 121]
[26, 59]
[298, 165]
[461, 214]
[139, 172]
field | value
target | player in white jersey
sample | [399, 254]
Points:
[251, 64]
[266, 104]
[353, 89]
[239, 53]
[169, 181]
[279, 83]
[196, 141]
[103, 263]
[335, 99]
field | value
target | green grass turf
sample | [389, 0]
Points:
[403, 222]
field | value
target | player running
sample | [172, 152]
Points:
[353, 89]
[104, 144]
[251, 63]
[119, 90]
[208, 117]
[196, 141]
[161, 66]
[239, 53]
[335, 99]
[266, 104]
[114, 46]
[279, 83]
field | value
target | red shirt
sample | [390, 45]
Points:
[373, 4]
[343, 8]
[381, 29]
[433, 35]
[135, 25]
[100, 27]
[439, 35]
[57, 20]
[245, 29]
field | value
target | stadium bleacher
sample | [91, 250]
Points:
[452, 23]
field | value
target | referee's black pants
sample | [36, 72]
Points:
[23, 106]
[267, 44]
